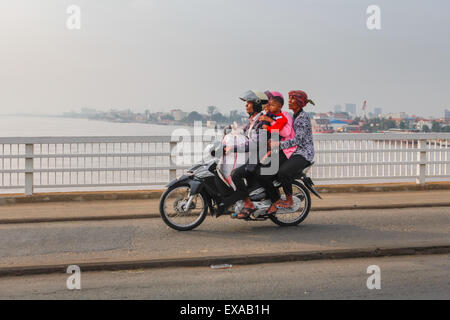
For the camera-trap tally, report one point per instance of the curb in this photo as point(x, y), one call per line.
point(81, 196)
point(156, 194)
point(80, 219)
point(233, 259)
point(355, 188)
point(157, 215)
point(384, 206)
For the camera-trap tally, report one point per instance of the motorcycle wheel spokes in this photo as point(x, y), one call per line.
point(298, 193)
point(175, 204)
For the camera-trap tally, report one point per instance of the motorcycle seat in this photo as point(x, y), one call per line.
point(302, 172)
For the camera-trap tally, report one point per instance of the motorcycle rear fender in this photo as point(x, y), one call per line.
point(309, 184)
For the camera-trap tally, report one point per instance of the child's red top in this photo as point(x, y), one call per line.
point(280, 122)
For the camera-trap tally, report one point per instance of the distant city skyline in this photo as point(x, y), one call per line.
point(445, 115)
point(359, 112)
point(329, 122)
point(161, 54)
point(350, 108)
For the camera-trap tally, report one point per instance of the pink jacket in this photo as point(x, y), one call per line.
point(288, 133)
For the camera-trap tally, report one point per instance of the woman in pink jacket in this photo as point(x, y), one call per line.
point(286, 133)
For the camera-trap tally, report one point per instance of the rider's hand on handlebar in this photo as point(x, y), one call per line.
point(227, 149)
point(265, 118)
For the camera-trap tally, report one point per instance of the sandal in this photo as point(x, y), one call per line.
point(245, 213)
point(271, 213)
point(284, 204)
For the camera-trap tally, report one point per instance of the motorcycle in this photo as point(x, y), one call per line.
point(188, 199)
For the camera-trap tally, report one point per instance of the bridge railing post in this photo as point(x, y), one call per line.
point(172, 163)
point(29, 151)
point(422, 158)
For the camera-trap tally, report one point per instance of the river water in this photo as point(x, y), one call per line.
point(20, 126)
point(27, 126)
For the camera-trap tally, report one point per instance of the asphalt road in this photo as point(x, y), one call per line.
point(412, 277)
point(72, 242)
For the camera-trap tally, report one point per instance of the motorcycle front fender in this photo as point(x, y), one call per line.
point(195, 185)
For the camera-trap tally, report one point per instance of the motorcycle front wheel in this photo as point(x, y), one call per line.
point(300, 192)
point(172, 208)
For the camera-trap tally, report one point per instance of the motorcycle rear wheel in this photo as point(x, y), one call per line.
point(295, 218)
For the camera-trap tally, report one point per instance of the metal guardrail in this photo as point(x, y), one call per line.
point(99, 162)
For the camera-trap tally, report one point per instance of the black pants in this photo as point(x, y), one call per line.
point(238, 175)
point(288, 168)
point(292, 166)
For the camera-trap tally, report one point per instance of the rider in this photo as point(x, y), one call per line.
point(255, 100)
point(304, 153)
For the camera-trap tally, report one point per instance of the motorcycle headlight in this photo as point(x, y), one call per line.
point(194, 168)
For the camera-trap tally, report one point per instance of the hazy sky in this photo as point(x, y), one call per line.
point(162, 54)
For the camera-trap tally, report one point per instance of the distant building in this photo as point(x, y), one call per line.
point(342, 116)
point(321, 126)
point(320, 116)
point(337, 125)
point(377, 111)
point(350, 108)
point(351, 129)
point(371, 115)
point(178, 115)
point(399, 115)
point(337, 108)
point(422, 123)
point(447, 115)
point(140, 117)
